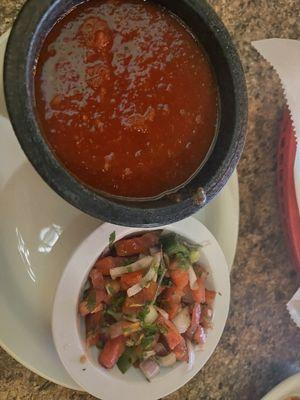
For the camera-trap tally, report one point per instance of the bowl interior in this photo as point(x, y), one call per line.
point(39, 17)
point(68, 330)
point(133, 374)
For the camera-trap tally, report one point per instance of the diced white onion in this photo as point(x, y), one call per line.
point(143, 263)
point(148, 354)
point(133, 290)
point(182, 320)
point(162, 312)
point(131, 318)
point(151, 316)
point(192, 278)
point(168, 360)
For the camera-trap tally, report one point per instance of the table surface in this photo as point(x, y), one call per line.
point(260, 346)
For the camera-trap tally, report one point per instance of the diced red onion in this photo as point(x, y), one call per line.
point(182, 320)
point(160, 349)
point(149, 368)
point(191, 354)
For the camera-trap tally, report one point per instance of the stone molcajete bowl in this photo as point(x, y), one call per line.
point(27, 35)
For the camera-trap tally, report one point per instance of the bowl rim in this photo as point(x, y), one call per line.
point(65, 321)
point(28, 133)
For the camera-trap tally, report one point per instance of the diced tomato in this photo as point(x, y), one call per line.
point(180, 278)
point(172, 309)
point(93, 302)
point(130, 279)
point(195, 321)
point(169, 331)
point(199, 294)
point(137, 245)
point(173, 266)
point(92, 321)
point(200, 335)
point(112, 351)
point(97, 278)
point(149, 292)
point(210, 296)
point(92, 324)
point(105, 264)
point(172, 300)
point(133, 304)
point(173, 295)
point(181, 351)
point(206, 317)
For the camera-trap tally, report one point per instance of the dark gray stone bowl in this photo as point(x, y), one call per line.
point(27, 35)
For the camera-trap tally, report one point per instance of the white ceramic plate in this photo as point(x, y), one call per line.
point(70, 339)
point(289, 387)
point(38, 232)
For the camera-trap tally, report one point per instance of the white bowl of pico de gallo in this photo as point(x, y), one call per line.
point(138, 312)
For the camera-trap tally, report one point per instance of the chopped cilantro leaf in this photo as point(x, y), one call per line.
point(150, 329)
point(126, 360)
point(143, 313)
point(117, 302)
point(167, 282)
point(91, 300)
point(172, 245)
point(112, 238)
point(128, 262)
point(147, 342)
point(114, 314)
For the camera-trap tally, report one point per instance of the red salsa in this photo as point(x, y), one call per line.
point(126, 97)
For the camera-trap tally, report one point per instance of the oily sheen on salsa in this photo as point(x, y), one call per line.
point(126, 97)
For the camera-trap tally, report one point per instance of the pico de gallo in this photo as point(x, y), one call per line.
point(146, 304)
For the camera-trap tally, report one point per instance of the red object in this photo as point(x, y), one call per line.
point(199, 294)
point(112, 351)
point(130, 279)
point(196, 314)
point(180, 278)
point(118, 99)
point(105, 264)
point(171, 333)
point(137, 245)
point(181, 351)
point(286, 187)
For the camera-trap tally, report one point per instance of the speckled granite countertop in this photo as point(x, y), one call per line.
point(260, 345)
